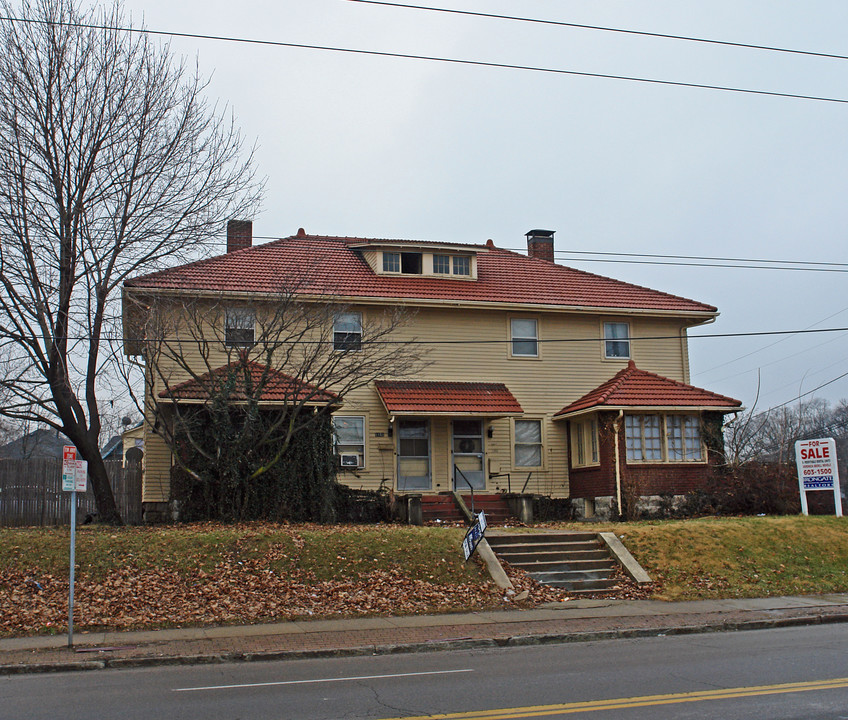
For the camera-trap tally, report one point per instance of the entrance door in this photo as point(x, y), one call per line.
point(467, 466)
point(413, 455)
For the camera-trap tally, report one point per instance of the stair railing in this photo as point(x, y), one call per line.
point(470, 487)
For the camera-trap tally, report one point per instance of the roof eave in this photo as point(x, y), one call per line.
point(648, 408)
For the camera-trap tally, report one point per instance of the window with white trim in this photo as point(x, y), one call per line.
point(461, 265)
point(391, 261)
point(239, 327)
point(524, 337)
point(584, 442)
point(349, 440)
point(441, 264)
point(683, 438)
point(347, 331)
point(643, 438)
point(616, 340)
point(663, 438)
point(528, 443)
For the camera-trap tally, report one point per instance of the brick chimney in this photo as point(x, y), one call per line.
point(540, 244)
point(239, 234)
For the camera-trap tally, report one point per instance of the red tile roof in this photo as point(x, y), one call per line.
point(278, 387)
point(632, 387)
point(330, 266)
point(455, 398)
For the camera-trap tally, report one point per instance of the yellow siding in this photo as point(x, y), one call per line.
point(570, 363)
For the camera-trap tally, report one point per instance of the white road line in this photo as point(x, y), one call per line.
point(320, 680)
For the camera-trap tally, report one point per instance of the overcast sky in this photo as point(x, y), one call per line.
point(400, 148)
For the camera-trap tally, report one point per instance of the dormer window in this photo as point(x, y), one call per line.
point(391, 262)
point(442, 264)
point(410, 263)
point(461, 265)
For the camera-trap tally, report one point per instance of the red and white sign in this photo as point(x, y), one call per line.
point(74, 472)
point(817, 470)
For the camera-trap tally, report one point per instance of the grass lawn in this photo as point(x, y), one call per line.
point(739, 557)
point(210, 574)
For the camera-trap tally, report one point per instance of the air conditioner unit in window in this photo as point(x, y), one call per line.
point(350, 460)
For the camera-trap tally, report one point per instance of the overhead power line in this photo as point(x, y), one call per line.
point(541, 341)
point(448, 60)
point(630, 258)
point(624, 31)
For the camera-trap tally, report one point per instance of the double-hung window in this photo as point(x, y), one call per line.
point(441, 264)
point(683, 438)
point(663, 438)
point(616, 340)
point(643, 437)
point(239, 327)
point(349, 440)
point(584, 442)
point(524, 336)
point(347, 331)
point(461, 265)
point(528, 443)
point(391, 261)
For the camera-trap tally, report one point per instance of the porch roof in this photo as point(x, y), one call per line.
point(415, 397)
point(634, 388)
point(277, 387)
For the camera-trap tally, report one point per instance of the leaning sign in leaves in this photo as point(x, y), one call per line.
point(474, 535)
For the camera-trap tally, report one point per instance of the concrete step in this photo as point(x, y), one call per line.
point(577, 587)
point(576, 561)
point(548, 578)
point(605, 564)
point(542, 538)
point(547, 547)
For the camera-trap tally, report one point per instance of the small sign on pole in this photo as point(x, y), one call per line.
point(74, 480)
point(817, 470)
point(474, 535)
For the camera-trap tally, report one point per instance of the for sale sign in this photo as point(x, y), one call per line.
point(816, 461)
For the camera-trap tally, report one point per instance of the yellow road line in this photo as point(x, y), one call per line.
point(532, 711)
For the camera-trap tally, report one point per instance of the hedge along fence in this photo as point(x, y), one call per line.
point(31, 493)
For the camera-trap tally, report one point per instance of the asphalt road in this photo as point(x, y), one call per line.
point(774, 674)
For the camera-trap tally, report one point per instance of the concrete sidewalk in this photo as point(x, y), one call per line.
point(572, 621)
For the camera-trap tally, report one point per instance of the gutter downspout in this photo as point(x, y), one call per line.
point(616, 426)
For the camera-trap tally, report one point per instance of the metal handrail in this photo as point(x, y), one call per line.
point(470, 487)
point(508, 479)
point(526, 481)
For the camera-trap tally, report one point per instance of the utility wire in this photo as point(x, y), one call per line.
point(718, 262)
point(665, 36)
point(452, 61)
point(541, 341)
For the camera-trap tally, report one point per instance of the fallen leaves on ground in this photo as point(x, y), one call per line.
point(243, 589)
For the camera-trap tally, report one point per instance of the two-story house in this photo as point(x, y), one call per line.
point(539, 378)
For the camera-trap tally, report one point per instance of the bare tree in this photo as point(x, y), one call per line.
point(111, 164)
point(230, 386)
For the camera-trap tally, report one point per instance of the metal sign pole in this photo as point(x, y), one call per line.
point(73, 568)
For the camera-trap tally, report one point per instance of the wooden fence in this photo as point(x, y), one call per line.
point(31, 493)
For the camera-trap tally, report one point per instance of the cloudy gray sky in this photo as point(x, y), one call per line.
point(387, 147)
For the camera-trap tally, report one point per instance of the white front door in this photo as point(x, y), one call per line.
point(467, 445)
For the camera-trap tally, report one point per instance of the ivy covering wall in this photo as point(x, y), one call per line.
point(300, 487)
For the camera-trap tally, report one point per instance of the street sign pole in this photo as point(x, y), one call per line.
point(73, 568)
point(74, 479)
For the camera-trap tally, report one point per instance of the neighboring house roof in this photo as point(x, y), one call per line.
point(44, 442)
point(278, 387)
point(409, 397)
point(114, 448)
point(332, 266)
point(634, 388)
